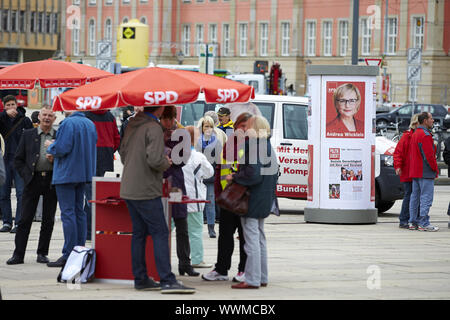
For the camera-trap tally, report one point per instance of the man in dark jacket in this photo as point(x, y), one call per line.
point(108, 141)
point(12, 124)
point(36, 169)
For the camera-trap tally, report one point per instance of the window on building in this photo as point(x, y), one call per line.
point(243, 30)
point(186, 40)
point(212, 33)
point(91, 35)
point(392, 36)
point(48, 23)
point(107, 32)
point(418, 30)
point(125, 1)
point(108, 2)
point(311, 38)
point(92, 2)
point(14, 21)
point(366, 36)
point(76, 2)
point(40, 23)
point(33, 21)
point(285, 38)
point(55, 23)
point(199, 38)
point(327, 37)
point(226, 40)
point(343, 38)
point(75, 40)
point(22, 21)
point(264, 39)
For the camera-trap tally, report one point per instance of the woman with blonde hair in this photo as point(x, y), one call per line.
point(401, 165)
point(208, 143)
point(255, 172)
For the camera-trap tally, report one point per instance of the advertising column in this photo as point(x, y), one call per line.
point(341, 186)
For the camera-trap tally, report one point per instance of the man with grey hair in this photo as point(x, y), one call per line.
point(36, 169)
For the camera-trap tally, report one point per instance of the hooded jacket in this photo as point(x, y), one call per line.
point(422, 155)
point(401, 155)
point(143, 157)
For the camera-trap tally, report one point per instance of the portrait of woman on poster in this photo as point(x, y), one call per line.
point(347, 101)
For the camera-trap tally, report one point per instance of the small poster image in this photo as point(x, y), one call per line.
point(345, 109)
point(334, 191)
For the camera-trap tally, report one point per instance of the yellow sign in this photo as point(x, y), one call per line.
point(129, 32)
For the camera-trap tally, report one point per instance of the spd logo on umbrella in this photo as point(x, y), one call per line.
point(227, 95)
point(84, 103)
point(158, 97)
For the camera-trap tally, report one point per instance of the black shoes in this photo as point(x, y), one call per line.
point(212, 233)
point(61, 262)
point(42, 259)
point(14, 260)
point(5, 228)
point(149, 285)
point(189, 270)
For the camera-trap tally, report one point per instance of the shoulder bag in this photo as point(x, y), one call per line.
point(234, 198)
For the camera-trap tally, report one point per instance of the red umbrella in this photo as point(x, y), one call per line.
point(152, 87)
point(50, 74)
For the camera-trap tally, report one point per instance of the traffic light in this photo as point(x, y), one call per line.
point(260, 67)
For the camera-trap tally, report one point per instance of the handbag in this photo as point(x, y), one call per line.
point(234, 198)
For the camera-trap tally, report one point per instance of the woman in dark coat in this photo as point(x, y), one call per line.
point(258, 170)
point(176, 178)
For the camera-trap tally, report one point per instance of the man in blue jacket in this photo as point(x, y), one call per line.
point(75, 157)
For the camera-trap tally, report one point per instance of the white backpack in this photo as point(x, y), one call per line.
point(80, 266)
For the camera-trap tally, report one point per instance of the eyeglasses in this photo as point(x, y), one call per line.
point(351, 102)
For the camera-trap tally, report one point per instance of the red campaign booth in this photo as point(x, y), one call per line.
point(112, 229)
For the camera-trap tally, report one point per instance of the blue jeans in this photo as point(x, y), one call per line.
point(147, 217)
point(5, 194)
point(73, 218)
point(210, 208)
point(421, 201)
point(404, 212)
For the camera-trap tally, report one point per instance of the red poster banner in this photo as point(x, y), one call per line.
point(345, 109)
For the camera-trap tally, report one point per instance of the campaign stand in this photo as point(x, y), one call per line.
point(112, 229)
point(341, 181)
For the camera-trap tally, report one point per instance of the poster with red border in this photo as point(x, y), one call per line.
point(345, 119)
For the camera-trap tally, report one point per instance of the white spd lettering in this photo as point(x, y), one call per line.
point(226, 95)
point(88, 102)
point(159, 97)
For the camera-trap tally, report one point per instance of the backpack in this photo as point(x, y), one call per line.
point(79, 267)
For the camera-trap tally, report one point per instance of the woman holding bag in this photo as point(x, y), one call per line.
point(258, 170)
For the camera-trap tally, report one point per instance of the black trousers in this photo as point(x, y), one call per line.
point(39, 185)
point(183, 246)
point(228, 224)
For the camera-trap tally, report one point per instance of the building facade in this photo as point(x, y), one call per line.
point(293, 33)
point(29, 29)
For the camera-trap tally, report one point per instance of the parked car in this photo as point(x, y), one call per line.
point(402, 115)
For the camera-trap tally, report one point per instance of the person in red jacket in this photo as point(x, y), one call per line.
point(107, 144)
point(423, 170)
point(401, 165)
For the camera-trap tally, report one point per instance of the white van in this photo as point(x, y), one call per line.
point(257, 81)
point(287, 116)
